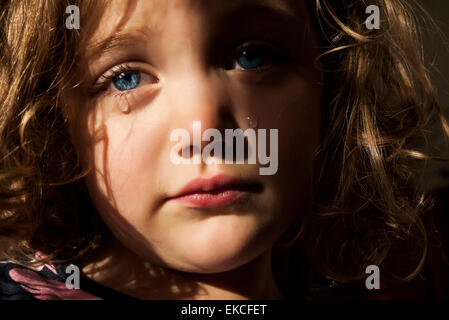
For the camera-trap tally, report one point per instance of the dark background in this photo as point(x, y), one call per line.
point(437, 56)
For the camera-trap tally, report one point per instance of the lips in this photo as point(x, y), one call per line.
point(216, 191)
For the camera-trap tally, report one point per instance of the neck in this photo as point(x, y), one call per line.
point(118, 268)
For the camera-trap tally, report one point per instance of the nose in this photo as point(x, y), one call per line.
point(204, 97)
point(200, 102)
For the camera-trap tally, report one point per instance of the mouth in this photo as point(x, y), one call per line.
point(217, 191)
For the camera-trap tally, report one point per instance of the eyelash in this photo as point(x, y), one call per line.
point(105, 79)
point(275, 52)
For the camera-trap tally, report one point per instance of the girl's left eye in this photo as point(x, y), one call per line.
point(254, 56)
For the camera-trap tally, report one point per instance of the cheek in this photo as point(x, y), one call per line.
point(291, 105)
point(125, 155)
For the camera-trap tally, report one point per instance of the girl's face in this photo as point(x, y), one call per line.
point(155, 66)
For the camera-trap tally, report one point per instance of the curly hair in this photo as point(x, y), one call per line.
point(42, 194)
point(368, 198)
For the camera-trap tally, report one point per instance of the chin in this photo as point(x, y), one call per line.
point(218, 254)
point(212, 263)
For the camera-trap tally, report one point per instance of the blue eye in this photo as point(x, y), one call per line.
point(127, 80)
point(256, 55)
point(251, 58)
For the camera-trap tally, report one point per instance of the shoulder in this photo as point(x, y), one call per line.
point(46, 282)
point(10, 286)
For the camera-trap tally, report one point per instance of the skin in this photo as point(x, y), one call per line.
point(163, 249)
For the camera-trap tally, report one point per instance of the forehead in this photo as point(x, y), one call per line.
point(152, 16)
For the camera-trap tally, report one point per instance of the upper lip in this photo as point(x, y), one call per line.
point(216, 183)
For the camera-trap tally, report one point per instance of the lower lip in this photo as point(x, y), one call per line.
point(213, 199)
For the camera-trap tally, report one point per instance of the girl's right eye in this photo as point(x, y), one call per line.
point(123, 78)
point(127, 80)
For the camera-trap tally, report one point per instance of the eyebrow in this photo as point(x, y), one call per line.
point(244, 19)
point(117, 40)
point(240, 8)
point(253, 18)
point(248, 10)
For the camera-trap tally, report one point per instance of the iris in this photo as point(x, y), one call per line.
point(251, 58)
point(127, 80)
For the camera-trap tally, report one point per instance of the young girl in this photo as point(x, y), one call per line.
point(88, 116)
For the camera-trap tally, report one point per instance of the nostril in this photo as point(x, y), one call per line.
point(186, 152)
point(189, 151)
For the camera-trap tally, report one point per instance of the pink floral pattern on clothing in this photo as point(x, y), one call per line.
point(45, 289)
